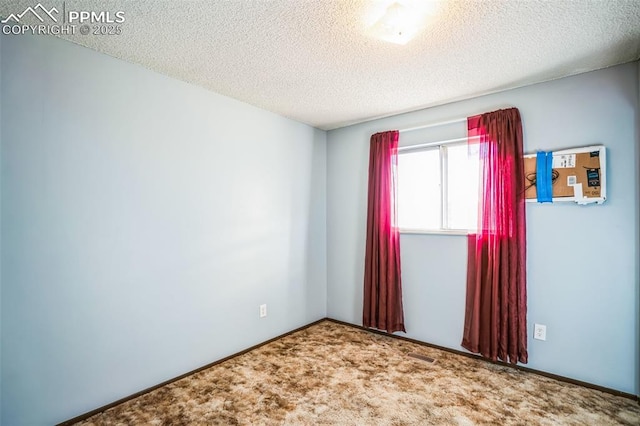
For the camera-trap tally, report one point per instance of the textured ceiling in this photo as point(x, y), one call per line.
point(312, 60)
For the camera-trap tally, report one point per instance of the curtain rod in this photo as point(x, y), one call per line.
point(426, 126)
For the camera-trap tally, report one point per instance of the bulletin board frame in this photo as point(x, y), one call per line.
point(581, 175)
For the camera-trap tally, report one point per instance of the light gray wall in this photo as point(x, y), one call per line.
point(143, 222)
point(582, 261)
point(638, 234)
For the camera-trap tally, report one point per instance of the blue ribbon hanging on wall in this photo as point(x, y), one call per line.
point(544, 167)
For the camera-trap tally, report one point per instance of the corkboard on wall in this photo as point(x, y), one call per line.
point(568, 169)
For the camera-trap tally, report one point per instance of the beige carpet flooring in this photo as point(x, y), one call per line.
point(332, 374)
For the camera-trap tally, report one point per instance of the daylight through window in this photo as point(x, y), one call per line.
point(438, 188)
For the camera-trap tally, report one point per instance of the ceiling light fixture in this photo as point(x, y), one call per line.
point(398, 24)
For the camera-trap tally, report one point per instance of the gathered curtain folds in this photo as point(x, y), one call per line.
point(495, 323)
point(382, 307)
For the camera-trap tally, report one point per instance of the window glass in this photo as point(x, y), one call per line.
point(438, 188)
point(419, 203)
point(462, 186)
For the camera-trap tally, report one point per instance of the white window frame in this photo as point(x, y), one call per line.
point(444, 217)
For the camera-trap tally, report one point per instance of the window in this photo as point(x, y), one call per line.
point(438, 188)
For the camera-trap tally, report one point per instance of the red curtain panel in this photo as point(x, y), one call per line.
point(495, 323)
point(382, 284)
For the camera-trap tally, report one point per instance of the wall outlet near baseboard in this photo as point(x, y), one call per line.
point(540, 332)
point(263, 311)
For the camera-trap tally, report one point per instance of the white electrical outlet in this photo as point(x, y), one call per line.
point(263, 311)
point(540, 332)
